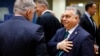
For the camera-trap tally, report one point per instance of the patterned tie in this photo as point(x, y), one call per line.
point(61, 52)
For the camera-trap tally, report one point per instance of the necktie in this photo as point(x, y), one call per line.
point(61, 52)
point(93, 23)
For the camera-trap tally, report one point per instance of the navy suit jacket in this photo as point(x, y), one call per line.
point(86, 24)
point(20, 37)
point(49, 23)
point(82, 44)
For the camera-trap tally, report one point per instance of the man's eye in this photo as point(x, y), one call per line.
point(67, 16)
point(62, 16)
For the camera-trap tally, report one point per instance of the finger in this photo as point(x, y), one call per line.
point(70, 42)
point(69, 45)
point(66, 50)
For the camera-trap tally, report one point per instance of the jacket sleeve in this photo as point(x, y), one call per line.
point(87, 48)
point(41, 49)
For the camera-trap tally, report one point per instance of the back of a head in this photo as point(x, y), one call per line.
point(23, 5)
point(43, 2)
point(89, 4)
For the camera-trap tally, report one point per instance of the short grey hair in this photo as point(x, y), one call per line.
point(77, 12)
point(23, 5)
point(44, 2)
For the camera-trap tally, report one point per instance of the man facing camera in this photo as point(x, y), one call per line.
point(72, 40)
point(19, 36)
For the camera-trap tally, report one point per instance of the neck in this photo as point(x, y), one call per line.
point(89, 13)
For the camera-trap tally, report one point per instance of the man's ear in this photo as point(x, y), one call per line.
point(28, 12)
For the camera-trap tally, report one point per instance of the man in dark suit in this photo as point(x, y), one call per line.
point(46, 19)
point(76, 43)
point(87, 22)
point(19, 36)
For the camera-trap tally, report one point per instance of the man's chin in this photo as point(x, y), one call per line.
point(66, 26)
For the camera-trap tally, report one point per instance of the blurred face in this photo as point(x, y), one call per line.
point(69, 19)
point(39, 9)
point(93, 9)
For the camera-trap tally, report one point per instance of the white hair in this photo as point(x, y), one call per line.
point(23, 5)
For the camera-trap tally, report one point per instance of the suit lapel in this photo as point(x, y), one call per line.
point(87, 20)
point(62, 34)
point(74, 34)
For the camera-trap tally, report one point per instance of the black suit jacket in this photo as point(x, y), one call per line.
point(98, 39)
point(49, 23)
point(19, 37)
point(86, 24)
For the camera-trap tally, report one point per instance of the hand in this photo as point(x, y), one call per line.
point(65, 45)
point(96, 47)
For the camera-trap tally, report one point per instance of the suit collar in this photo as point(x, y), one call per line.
point(19, 17)
point(71, 31)
point(46, 11)
point(75, 33)
point(87, 14)
point(86, 18)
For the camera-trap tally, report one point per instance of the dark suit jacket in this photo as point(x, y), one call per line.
point(98, 39)
point(50, 24)
point(86, 24)
point(82, 44)
point(19, 37)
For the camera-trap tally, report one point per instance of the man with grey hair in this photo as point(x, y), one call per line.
point(72, 40)
point(19, 36)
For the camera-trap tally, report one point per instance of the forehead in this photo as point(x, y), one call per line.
point(69, 12)
point(94, 5)
point(37, 4)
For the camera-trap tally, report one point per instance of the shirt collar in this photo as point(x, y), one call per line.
point(88, 15)
point(71, 30)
